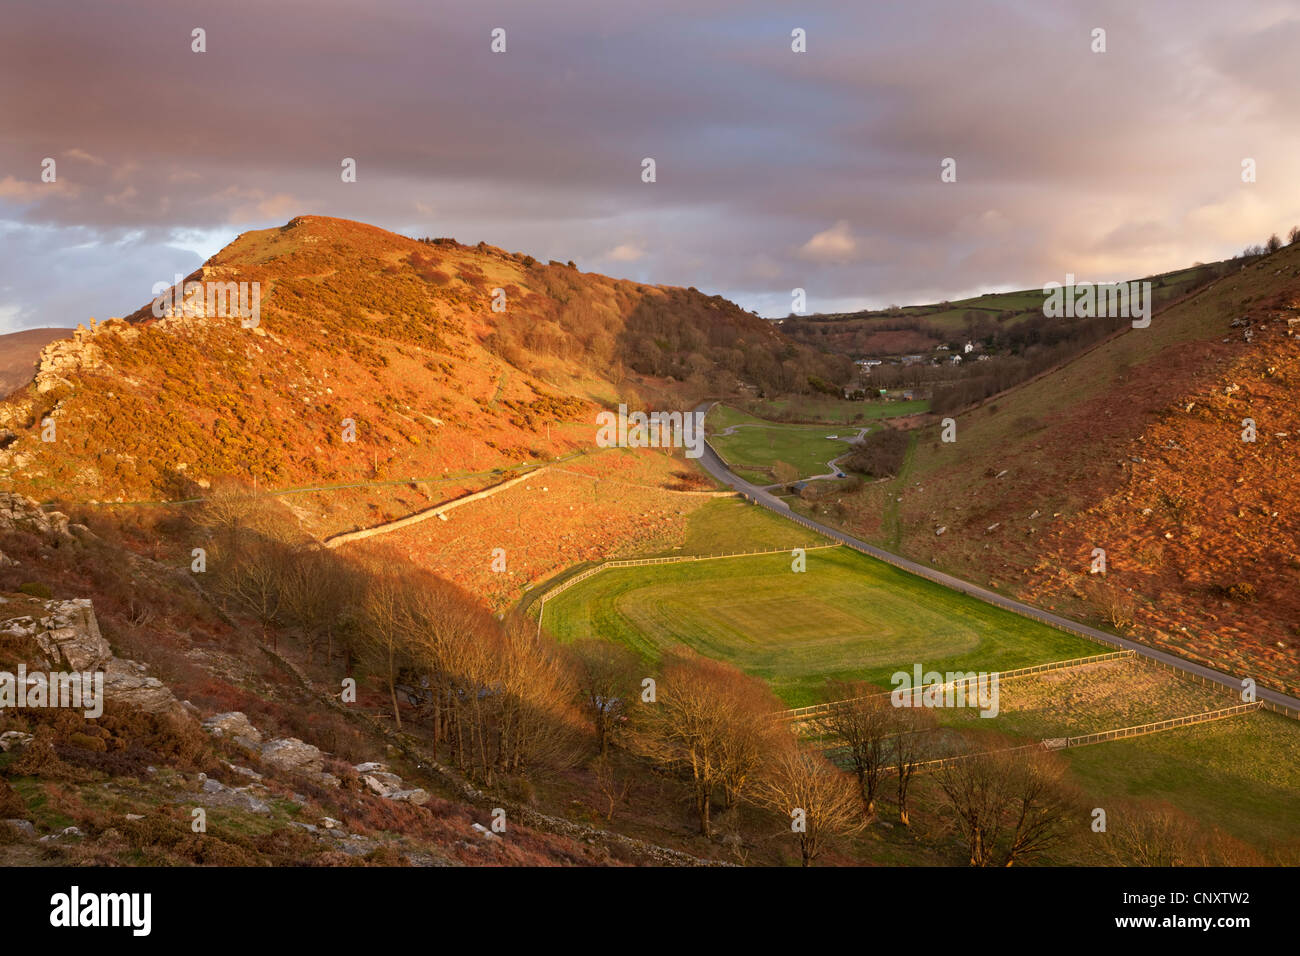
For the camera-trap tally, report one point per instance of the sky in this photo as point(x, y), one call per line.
point(774, 169)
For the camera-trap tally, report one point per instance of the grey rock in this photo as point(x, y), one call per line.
point(64, 834)
point(484, 832)
point(14, 740)
point(293, 756)
point(382, 783)
point(415, 796)
point(235, 725)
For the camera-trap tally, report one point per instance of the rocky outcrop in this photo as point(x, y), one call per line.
point(126, 682)
point(14, 740)
point(378, 779)
point(64, 356)
point(69, 639)
point(69, 636)
point(286, 754)
point(20, 513)
point(291, 755)
point(237, 727)
point(214, 793)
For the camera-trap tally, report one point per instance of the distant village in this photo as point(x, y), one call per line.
point(878, 376)
point(971, 351)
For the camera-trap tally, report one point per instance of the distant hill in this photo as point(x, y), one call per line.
point(1009, 322)
point(391, 341)
point(19, 352)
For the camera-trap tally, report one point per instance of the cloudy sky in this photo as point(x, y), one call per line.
point(774, 169)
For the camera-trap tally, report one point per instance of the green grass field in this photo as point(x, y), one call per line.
point(756, 444)
point(729, 524)
point(848, 616)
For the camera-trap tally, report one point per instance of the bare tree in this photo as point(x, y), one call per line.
point(612, 786)
point(1116, 605)
point(1157, 836)
point(912, 743)
point(785, 473)
point(607, 677)
point(385, 614)
point(1010, 804)
point(536, 722)
point(817, 799)
point(859, 723)
point(704, 723)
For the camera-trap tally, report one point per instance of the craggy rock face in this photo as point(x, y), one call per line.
point(69, 638)
point(20, 513)
point(68, 635)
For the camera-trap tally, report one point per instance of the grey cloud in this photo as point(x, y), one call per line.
point(1124, 162)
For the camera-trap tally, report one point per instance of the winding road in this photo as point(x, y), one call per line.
point(715, 466)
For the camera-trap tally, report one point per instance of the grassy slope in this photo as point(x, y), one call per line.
point(951, 316)
point(757, 444)
point(806, 447)
point(1241, 774)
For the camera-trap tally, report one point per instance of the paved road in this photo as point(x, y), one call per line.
point(715, 466)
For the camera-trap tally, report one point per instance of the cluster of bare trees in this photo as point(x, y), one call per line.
point(496, 697)
point(878, 741)
point(493, 696)
point(1009, 803)
point(717, 729)
point(1271, 245)
point(712, 723)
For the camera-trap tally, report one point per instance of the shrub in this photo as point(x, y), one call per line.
point(1241, 591)
point(880, 454)
point(11, 804)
